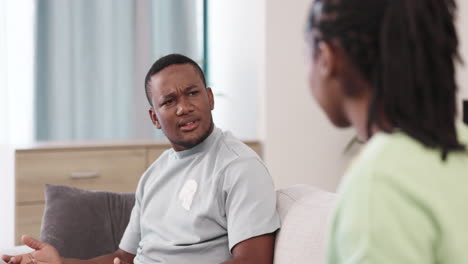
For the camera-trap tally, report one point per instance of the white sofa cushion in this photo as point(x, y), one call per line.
point(18, 250)
point(305, 212)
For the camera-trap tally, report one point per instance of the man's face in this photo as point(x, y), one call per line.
point(181, 105)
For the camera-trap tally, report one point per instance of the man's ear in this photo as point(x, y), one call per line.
point(210, 97)
point(154, 118)
point(326, 59)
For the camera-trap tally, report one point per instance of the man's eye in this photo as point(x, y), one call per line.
point(168, 102)
point(193, 93)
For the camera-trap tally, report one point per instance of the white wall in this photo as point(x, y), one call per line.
point(256, 62)
point(235, 50)
point(16, 71)
point(16, 99)
point(7, 197)
point(301, 146)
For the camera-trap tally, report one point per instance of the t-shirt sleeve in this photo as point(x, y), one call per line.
point(380, 220)
point(250, 201)
point(132, 236)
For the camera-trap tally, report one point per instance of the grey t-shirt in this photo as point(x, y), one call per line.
point(194, 206)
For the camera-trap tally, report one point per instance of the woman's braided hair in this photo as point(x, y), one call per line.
point(406, 50)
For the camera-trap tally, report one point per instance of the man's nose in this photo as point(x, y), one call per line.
point(184, 107)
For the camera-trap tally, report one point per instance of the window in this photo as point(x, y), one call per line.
point(74, 70)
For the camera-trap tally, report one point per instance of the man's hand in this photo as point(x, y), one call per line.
point(119, 261)
point(43, 254)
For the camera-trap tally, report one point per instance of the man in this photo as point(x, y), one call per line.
point(209, 199)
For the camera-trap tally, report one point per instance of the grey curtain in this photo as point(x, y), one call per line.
point(91, 59)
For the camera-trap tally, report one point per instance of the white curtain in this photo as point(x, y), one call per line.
point(91, 60)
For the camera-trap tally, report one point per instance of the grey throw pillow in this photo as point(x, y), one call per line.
point(84, 224)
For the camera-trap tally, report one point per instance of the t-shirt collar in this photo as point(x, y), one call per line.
point(205, 144)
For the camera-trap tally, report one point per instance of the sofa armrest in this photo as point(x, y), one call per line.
point(16, 250)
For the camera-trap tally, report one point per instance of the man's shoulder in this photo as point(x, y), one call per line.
point(234, 158)
point(162, 159)
point(229, 153)
point(233, 148)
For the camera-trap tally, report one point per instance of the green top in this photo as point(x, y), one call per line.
point(400, 203)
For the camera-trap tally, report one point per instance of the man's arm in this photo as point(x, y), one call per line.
point(256, 250)
point(45, 253)
point(250, 205)
point(123, 256)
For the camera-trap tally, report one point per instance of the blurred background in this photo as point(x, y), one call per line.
point(73, 70)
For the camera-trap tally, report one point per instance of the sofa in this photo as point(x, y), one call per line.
point(85, 224)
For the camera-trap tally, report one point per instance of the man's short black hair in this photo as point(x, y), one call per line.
point(165, 62)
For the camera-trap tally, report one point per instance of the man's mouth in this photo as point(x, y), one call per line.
point(189, 126)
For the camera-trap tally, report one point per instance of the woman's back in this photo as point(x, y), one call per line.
point(387, 68)
point(401, 203)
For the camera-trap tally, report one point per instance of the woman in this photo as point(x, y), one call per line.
point(387, 68)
